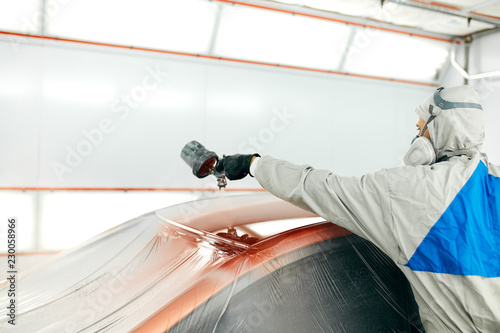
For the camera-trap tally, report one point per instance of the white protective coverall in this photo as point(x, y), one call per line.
point(439, 223)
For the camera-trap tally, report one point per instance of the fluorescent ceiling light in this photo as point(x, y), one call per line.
point(401, 14)
point(20, 16)
point(185, 25)
point(491, 9)
point(278, 38)
point(462, 3)
point(428, 20)
point(453, 25)
point(396, 56)
point(347, 7)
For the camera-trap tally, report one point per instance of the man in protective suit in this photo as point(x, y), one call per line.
point(437, 217)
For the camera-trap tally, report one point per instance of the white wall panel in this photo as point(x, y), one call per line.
point(122, 138)
point(120, 119)
point(20, 113)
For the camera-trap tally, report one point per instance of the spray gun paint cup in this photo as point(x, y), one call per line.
point(202, 161)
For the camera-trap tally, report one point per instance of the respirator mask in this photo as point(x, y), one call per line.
point(421, 151)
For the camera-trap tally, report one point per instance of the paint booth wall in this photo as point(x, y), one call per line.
point(82, 116)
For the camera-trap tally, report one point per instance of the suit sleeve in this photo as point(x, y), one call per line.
point(361, 205)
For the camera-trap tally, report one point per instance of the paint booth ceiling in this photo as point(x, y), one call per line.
point(399, 40)
point(448, 17)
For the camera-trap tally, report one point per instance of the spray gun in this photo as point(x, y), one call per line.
point(203, 162)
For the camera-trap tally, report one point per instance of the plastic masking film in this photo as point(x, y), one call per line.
point(206, 266)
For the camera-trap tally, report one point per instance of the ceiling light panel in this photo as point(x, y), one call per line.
point(453, 25)
point(396, 56)
point(402, 15)
point(428, 20)
point(185, 25)
point(347, 7)
point(280, 38)
point(464, 4)
point(490, 10)
point(21, 16)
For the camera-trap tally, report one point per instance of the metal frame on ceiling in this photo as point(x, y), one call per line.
point(469, 13)
point(275, 5)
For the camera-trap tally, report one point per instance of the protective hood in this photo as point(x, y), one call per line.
point(458, 127)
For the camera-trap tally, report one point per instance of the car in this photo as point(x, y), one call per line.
point(227, 263)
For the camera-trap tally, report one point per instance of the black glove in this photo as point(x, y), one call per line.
point(235, 166)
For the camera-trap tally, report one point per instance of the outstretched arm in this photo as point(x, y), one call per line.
point(361, 205)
